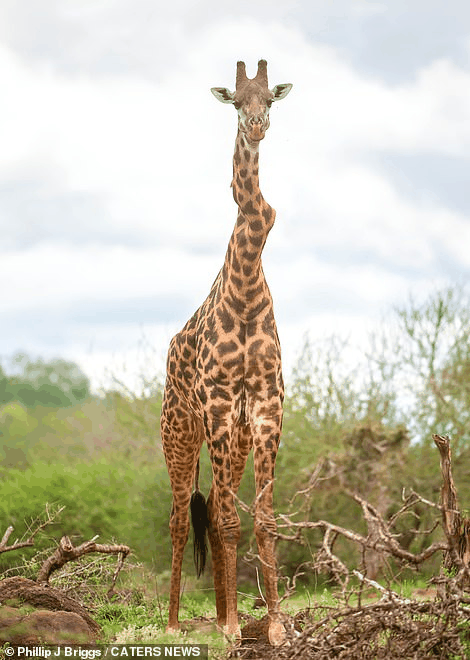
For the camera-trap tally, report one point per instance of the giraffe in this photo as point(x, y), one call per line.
point(224, 385)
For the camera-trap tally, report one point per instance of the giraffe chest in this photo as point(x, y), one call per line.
point(237, 360)
point(220, 361)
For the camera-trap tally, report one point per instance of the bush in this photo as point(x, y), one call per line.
point(111, 500)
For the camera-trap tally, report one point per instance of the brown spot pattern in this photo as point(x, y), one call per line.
point(224, 387)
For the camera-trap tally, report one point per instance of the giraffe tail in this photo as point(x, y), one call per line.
point(199, 521)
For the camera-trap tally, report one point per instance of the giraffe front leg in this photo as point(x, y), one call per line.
point(240, 448)
point(229, 531)
point(265, 527)
point(266, 442)
point(224, 526)
point(224, 534)
point(179, 531)
point(218, 558)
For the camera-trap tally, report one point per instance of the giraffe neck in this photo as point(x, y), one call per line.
point(242, 273)
point(246, 190)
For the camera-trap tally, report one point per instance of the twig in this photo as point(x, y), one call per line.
point(387, 594)
point(312, 483)
point(259, 586)
point(4, 547)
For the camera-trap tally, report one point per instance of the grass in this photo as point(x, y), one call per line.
point(147, 613)
point(124, 623)
point(138, 612)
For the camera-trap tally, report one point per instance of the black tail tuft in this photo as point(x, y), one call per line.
point(200, 523)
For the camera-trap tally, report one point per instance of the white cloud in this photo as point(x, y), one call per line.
point(156, 152)
point(58, 274)
point(158, 157)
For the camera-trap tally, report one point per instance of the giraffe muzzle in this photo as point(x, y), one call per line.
point(256, 127)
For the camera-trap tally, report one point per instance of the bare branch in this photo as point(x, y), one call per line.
point(387, 594)
point(312, 483)
point(386, 543)
point(291, 583)
point(66, 552)
point(29, 542)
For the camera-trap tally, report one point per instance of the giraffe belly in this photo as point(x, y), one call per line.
point(237, 363)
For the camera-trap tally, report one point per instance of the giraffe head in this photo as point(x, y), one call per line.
point(252, 99)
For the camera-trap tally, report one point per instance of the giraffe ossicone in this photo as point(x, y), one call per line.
point(224, 385)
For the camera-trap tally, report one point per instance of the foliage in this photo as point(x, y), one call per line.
point(429, 353)
point(100, 498)
point(56, 383)
point(432, 353)
point(369, 413)
point(373, 417)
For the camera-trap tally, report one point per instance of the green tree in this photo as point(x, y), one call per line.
point(429, 348)
point(56, 383)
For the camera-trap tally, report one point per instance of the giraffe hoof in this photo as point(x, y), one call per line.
point(234, 633)
point(173, 629)
point(276, 634)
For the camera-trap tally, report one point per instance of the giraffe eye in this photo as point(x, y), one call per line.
point(237, 105)
point(269, 103)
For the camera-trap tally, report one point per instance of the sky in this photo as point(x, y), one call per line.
point(115, 167)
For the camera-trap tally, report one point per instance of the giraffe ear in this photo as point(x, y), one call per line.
point(223, 94)
point(281, 91)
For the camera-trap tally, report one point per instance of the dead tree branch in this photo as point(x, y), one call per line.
point(29, 541)
point(381, 538)
point(312, 483)
point(66, 552)
point(385, 543)
point(456, 528)
point(392, 626)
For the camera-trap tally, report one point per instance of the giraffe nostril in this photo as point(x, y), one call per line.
point(255, 126)
point(255, 119)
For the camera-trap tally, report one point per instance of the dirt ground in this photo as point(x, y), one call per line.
point(254, 643)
